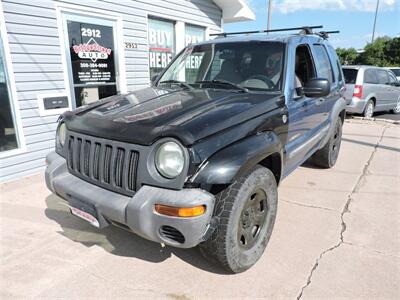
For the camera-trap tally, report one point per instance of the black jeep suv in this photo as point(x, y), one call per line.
point(196, 158)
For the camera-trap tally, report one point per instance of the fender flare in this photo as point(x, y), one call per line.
point(338, 107)
point(231, 162)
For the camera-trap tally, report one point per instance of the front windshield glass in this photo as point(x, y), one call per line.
point(249, 65)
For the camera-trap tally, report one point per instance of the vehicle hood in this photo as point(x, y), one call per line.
point(143, 116)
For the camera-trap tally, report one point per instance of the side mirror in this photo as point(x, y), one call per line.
point(317, 87)
point(154, 78)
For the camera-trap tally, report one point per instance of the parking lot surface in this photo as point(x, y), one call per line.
point(337, 235)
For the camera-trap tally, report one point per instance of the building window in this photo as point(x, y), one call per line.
point(161, 44)
point(193, 34)
point(92, 55)
point(8, 131)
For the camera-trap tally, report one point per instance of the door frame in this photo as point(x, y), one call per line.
point(101, 17)
point(14, 105)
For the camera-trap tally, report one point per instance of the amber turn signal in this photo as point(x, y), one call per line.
point(180, 211)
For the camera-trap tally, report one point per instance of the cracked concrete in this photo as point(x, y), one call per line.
point(344, 211)
point(336, 236)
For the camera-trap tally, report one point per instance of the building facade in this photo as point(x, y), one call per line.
point(59, 55)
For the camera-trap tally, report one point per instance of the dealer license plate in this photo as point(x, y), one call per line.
point(84, 211)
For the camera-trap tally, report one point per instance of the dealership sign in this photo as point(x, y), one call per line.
point(161, 44)
point(91, 50)
point(92, 53)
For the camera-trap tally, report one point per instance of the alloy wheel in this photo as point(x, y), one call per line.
point(370, 110)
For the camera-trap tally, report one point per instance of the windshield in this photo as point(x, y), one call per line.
point(350, 75)
point(244, 66)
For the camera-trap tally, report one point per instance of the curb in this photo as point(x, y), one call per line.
point(374, 120)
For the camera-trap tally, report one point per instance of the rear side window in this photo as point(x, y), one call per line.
point(350, 75)
point(324, 68)
point(383, 77)
point(396, 71)
point(335, 64)
point(370, 76)
point(392, 78)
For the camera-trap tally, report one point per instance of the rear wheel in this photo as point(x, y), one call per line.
point(369, 109)
point(246, 212)
point(327, 156)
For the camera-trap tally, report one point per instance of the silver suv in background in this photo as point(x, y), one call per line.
point(371, 89)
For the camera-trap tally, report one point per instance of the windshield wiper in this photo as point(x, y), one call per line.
point(224, 82)
point(181, 83)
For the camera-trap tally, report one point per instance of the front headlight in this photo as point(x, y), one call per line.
point(61, 134)
point(170, 160)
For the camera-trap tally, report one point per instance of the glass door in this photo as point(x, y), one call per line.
point(92, 60)
point(8, 131)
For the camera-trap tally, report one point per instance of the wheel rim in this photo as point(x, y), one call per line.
point(335, 145)
point(252, 219)
point(397, 108)
point(370, 110)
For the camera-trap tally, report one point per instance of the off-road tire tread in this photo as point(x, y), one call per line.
point(321, 157)
point(214, 249)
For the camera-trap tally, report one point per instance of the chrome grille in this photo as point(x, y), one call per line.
point(104, 163)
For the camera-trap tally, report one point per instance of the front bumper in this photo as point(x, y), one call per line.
point(137, 212)
point(356, 106)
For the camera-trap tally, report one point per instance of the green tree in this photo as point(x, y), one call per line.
point(347, 56)
point(392, 52)
point(383, 52)
point(374, 53)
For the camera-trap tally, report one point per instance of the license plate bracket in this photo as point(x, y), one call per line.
point(85, 211)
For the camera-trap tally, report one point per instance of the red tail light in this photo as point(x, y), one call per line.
point(357, 91)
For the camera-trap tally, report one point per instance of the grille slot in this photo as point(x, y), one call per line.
point(86, 154)
point(119, 166)
point(133, 160)
point(106, 164)
point(172, 233)
point(96, 161)
point(78, 155)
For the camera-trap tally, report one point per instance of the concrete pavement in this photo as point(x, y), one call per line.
point(337, 235)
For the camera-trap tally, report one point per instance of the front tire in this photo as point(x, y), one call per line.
point(245, 212)
point(396, 109)
point(327, 156)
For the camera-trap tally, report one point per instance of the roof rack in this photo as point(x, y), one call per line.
point(304, 30)
point(325, 34)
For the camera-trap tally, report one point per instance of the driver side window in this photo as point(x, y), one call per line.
point(304, 66)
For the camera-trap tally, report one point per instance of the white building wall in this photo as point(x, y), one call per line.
point(36, 54)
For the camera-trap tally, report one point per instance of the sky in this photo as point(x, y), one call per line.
point(354, 18)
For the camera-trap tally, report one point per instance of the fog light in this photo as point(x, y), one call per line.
point(180, 211)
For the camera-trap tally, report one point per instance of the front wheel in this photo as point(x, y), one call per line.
point(396, 109)
point(327, 156)
point(245, 212)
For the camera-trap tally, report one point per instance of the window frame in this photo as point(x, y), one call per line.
point(195, 26)
point(175, 44)
point(312, 59)
point(315, 45)
point(14, 105)
point(72, 12)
